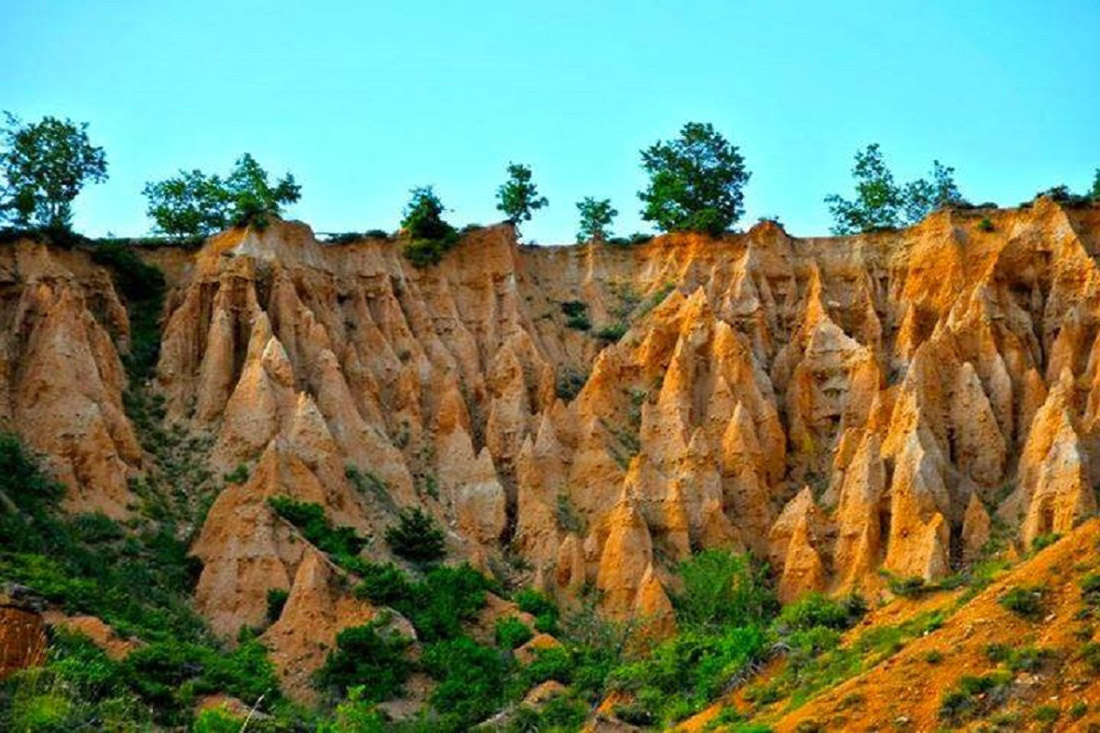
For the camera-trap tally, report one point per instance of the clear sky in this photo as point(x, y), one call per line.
point(362, 100)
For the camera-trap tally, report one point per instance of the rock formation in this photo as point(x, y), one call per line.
point(837, 405)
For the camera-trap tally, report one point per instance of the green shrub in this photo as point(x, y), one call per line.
point(933, 656)
point(238, 475)
point(216, 720)
point(973, 697)
point(168, 674)
point(816, 609)
point(416, 537)
point(1090, 588)
point(1024, 602)
point(1044, 541)
point(576, 315)
point(722, 589)
point(1029, 659)
point(437, 606)
point(356, 714)
point(510, 632)
point(907, 587)
point(545, 612)
point(998, 653)
point(614, 332)
point(1046, 714)
point(385, 585)
point(341, 543)
point(446, 599)
point(1090, 653)
point(569, 384)
point(986, 224)
point(470, 677)
point(684, 673)
point(276, 600)
point(430, 236)
point(550, 663)
point(370, 657)
point(1078, 710)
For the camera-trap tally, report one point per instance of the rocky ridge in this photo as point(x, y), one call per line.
point(844, 407)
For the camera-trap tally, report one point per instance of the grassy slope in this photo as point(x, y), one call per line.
point(904, 689)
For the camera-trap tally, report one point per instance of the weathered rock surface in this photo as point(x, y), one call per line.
point(838, 405)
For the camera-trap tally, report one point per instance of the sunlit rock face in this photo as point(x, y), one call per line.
point(838, 406)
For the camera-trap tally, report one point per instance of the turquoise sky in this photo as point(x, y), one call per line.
point(363, 100)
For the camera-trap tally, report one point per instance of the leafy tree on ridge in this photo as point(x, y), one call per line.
point(596, 218)
point(195, 204)
point(518, 197)
point(695, 182)
point(881, 204)
point(44, 165)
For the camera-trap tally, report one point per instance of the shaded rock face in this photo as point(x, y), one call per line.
point(62, 328)
point(837, 405)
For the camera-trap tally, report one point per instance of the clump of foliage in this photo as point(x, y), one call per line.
point(721, 590)
point(416, 537)
point(341, 543)
point(986, 224)
point(437, 606)
point(518, 197)
point(612, 333)
point(569, 384)
point(818, 610)
point(722, 618)
point(546, 613)
point(197, 204)
point(276, 601)
point(1043, 541)
point(369, 657)
point(1090, 653)
point(576, 315)
point(695, 181)
point(430, 237)
point(510, 632)
point(974, 697)
point(596, 217)
point(1026, 602)
point(881, 204)
point(44, 166)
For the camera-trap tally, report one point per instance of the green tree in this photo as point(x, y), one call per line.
point(254, 198)
point(518, 197)
point(195, 204)
point(1096, 185)
point(882, 204)
point(423, 216)
point(922, 197)
point(723, 589)
point(45, 164)
point(878, 199)
point(596, 218)
point(191, 204)
point(416, 537)
point(695, 181)
point(370, 656)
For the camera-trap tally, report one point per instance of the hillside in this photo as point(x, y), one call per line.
point(859, 411)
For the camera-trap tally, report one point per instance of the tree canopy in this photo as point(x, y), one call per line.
point(44, 165)
point(695, 181)
point(518, 197)
point(194, 203)
point(596, 218)
point(881, 204)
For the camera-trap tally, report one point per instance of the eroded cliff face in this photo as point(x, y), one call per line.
point(840, 406)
